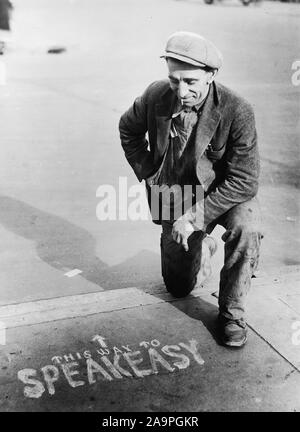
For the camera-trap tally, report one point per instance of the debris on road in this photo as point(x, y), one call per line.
point(56, 50)
point(72, 273)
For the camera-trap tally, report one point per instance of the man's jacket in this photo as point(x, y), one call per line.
point(226, 153)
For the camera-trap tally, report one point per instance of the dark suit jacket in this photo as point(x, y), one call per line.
point(228, 168)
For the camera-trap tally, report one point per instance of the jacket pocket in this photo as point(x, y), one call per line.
point(215, 155)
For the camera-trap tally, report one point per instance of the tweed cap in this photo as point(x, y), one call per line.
point(193, 49)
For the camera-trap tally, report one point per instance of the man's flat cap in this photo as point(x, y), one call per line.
point(193, 49)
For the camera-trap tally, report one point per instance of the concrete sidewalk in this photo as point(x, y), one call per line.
point(139, 349)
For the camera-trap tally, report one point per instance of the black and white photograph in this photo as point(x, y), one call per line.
point(149, 209)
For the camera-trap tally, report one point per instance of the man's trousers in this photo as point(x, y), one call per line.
point(242, 243)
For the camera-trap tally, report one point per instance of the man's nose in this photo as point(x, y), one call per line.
point(182, 90)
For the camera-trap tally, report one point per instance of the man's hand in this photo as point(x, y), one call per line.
point(181, 231)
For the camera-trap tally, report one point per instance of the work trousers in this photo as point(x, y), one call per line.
point(242, 244)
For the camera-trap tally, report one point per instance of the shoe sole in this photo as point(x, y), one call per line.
point(234, 344)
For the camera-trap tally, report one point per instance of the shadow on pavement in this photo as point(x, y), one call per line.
point(200, 310)
point(65, 246)
point(197, 309)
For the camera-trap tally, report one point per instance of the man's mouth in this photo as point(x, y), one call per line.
point(186, 102)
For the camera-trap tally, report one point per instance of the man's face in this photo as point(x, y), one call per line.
point(188, 82)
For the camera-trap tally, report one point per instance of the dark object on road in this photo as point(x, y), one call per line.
point(245, 2)
point(56, 50)
point(5, 11)
point(5, 15)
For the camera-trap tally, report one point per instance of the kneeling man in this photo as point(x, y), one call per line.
point(201, 136)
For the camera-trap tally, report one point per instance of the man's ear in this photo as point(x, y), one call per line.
point(211, 76)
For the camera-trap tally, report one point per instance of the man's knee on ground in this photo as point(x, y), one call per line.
point(179, 285)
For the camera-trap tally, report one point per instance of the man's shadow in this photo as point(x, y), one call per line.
point(201, 310)
point(196, 308)
point(65, 246)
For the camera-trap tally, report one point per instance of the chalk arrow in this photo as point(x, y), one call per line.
point(101, 340)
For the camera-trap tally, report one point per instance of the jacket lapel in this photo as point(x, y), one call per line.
point(208, 122)
point(163, 113)
point(206, 127)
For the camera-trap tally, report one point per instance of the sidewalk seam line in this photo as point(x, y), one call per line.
point(273, 348)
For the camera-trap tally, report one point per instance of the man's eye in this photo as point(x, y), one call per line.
point(191, 82)
point(173, 81)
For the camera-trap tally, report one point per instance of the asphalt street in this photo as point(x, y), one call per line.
point(59, 134)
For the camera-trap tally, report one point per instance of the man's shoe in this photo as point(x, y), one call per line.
point(233, 333)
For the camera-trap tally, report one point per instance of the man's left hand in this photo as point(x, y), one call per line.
point(181, 231)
